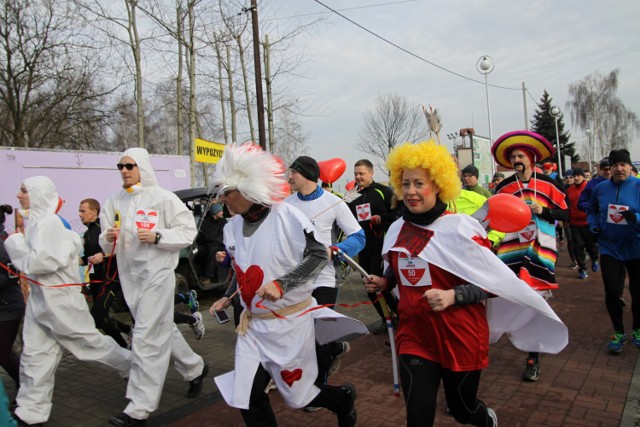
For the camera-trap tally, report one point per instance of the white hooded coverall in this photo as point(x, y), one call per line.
point(55, 317)
point(148, 282)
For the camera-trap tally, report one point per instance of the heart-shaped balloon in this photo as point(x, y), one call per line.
point(508, 213)
point(331, 170)
point(249, 282)
point(350, 185)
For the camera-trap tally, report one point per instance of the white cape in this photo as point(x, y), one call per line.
point(518, 311)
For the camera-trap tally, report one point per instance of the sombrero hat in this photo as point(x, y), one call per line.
point(538, 144)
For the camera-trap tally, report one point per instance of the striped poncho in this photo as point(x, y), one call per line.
point(531, 252)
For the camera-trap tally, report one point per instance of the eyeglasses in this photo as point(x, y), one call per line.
point(129, 166)
point(467, 175)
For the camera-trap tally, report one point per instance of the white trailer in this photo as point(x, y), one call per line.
point(79, 175)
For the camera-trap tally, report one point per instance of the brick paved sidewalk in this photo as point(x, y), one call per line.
point(581, 386)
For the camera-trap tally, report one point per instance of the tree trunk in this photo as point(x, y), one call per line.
point(232, 102)
point(268, 84)
point(247, 93)
point(134, 40)
point(179, 106)
point(221, 88)
point(192, 89)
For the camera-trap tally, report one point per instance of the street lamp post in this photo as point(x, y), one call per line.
point(485, 66)
point(555, 113)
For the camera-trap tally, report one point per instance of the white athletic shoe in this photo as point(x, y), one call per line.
point(198, 327)
point(493, 416)
point(271, 386)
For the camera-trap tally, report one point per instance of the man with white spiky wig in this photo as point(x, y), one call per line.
point(277, 259)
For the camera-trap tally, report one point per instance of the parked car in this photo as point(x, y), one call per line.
point(188, 271)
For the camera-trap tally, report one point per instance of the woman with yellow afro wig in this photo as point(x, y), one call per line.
point(432, 157)
point(443, 334)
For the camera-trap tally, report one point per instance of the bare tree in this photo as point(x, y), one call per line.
point(393, 121)
point(290, 138)
point(101, 13)
point(594, 105)
point(48, 94)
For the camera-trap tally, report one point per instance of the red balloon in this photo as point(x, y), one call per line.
point(331, 170)
point(508, 213)
point(350, 185)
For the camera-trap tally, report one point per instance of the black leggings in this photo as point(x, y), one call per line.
point(103, 296)
point(260, 413)
point(326, 352)
point(420, 379)
point(8, 360)
point(613, 275)
point(583, 241)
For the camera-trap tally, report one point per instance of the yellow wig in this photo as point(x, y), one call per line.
point(430, 156)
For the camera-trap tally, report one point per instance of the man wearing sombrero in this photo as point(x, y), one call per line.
point(531, 252)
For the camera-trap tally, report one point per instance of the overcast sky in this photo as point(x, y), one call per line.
point(546, 44)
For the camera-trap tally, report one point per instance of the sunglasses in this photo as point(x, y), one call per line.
point(129, 166)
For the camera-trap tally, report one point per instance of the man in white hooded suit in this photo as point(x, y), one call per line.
point(56, 316)
point(146, 226)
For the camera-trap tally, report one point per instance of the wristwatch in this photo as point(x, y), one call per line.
point(158, 237)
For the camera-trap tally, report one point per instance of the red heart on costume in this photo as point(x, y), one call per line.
point(527, 235)
point(290, 377)
point(616, 217)
point(146, 220)
point(248, 282)
point(413, 275)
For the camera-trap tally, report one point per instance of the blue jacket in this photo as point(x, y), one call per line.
point(621, 241)
point(583, 201)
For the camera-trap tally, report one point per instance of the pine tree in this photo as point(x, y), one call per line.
point(543, 123)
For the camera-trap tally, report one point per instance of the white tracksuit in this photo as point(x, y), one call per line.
point(55, 317)
point(148, 282)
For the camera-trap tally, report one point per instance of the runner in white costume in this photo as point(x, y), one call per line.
point(277, 259)
point(148, 226)
point(325, 210)
point(56, 317)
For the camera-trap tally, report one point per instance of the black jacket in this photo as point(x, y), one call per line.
point(92, 247)
point(379, 198)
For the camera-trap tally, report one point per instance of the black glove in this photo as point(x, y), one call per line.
point(629, 216)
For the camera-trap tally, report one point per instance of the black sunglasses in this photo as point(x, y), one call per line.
point(129, 166)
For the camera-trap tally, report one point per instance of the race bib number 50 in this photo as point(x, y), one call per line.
point(414, 271)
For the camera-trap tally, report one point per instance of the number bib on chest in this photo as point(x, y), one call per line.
point(613, 214)
point(364, 212)
point(146, 219)
point(414, 271)
point(528, 233)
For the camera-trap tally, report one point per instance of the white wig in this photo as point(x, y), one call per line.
point(259, 176)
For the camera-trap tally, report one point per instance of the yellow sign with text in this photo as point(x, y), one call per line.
point(208, 151)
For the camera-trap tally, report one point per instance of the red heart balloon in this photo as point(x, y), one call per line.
point(350, 185)
point(290, 377)
point(508, 213)
point(331, 170)
point(249, 282)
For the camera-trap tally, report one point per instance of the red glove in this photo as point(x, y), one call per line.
point(376, 220)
